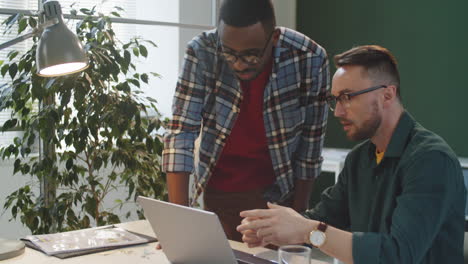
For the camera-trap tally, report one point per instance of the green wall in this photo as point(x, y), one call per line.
point(430, 41)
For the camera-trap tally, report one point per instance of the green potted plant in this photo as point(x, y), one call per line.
point(98, 131)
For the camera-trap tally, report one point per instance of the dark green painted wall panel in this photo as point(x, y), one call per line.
point(429, 39)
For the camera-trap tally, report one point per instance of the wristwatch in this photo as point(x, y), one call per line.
point(317, 236)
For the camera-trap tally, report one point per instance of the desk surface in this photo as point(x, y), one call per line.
point(135, 254)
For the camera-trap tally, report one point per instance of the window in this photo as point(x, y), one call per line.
point(141, 18)
point(7, 137)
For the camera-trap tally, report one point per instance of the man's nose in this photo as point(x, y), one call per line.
point(340, 111)
point(239, 65)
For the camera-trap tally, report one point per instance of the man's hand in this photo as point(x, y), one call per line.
point(278, 225)
point(249, 236)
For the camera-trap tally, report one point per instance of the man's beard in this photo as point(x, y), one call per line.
point(254, 73)
point(368, 128)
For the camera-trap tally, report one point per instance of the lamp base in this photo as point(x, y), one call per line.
point(10, 248)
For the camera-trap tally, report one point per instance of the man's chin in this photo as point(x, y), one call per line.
point(350, 136)
point(356, 136)
point(350, 132)
point(246, 76)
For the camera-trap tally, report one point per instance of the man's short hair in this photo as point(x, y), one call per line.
point(379, 64)
point(244, 13)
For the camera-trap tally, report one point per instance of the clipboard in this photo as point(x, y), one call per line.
point(31, 242)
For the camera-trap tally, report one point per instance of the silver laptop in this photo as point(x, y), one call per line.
point(192, 236)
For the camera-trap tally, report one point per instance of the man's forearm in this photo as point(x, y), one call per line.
point(339, 244)
point(177, 186)
point(303, 189)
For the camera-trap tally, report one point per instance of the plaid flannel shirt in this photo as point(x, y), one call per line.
point(208, 98)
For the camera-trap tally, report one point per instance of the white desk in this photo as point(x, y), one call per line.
point(137, 254)
point(464, 162)
point(333, 160)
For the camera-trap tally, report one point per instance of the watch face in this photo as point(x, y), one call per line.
point(317, 238)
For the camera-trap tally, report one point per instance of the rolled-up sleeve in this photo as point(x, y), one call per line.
point(308, 162)
point(184, 127)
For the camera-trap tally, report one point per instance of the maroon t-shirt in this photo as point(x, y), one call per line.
point(245, 162)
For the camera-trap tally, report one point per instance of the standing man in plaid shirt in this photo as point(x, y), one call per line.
point(257, 94)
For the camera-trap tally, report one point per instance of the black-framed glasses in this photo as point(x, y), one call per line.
point(250, 58)
point(345, 98)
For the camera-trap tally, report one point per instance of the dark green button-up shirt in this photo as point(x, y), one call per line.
point(407, 209)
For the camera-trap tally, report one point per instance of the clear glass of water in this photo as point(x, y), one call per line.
point(294, 254)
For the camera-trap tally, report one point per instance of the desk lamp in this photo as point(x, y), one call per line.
point(58, 53)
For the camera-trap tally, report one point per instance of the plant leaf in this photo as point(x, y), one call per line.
point(32, 22)
point(11, 19)
point(23, 23)
point(5, 69)
point(144, 77)
point(13, 70)
point(12, 54)
point(136, 51)
point(151, 42)
point(134, 82)
point(143, 51)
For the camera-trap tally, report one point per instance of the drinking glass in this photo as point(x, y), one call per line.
point(294, 254)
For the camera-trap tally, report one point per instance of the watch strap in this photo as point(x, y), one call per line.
point(322, 227)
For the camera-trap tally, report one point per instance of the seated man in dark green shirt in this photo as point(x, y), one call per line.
point(400, 197)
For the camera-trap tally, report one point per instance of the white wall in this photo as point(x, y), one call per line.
point(164, 59)
point(285, 11)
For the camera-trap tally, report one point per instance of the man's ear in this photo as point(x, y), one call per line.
point(390, 94)
point(276, 35)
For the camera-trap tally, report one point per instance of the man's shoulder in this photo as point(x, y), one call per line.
point(423, 143)
point(292, 39)
point(206, 41)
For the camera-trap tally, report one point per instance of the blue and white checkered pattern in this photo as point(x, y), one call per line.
point(208, 97)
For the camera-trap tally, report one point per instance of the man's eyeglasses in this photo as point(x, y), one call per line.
point(250, 58)
point(345, 98)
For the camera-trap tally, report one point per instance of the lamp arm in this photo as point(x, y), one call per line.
point(37, 31)
point(16, 40)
